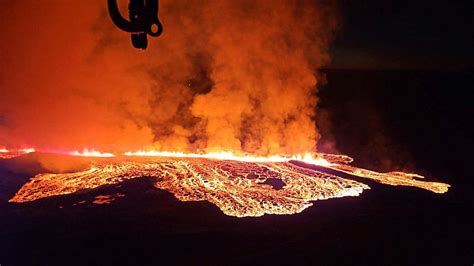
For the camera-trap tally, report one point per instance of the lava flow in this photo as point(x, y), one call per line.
point(239, 186)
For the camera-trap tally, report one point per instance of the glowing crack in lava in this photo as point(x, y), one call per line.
point(238, 187)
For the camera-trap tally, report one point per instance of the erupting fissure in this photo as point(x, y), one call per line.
point(228, 75)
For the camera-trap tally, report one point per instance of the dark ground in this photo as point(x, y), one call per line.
point(418, 121)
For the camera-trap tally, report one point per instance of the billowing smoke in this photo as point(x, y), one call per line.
point(225, 75)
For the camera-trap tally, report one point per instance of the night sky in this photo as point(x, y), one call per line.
point(376, 34)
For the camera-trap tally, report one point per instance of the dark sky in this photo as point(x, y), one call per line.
point(385, 34)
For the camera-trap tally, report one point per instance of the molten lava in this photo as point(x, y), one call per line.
point(239, 186)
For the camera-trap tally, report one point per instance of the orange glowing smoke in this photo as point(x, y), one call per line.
point(238, 186)
point(225, 75)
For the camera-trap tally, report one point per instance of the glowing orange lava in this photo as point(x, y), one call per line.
point(239, 186)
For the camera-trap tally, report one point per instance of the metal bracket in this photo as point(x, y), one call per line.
point(143, 20)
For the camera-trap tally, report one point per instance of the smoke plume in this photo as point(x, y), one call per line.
point(225, 75)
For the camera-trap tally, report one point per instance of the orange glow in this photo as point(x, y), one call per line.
point(76, 91)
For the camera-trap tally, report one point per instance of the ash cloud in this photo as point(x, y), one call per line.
point(225, 75)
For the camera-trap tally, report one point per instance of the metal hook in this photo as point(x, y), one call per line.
point(143, 20)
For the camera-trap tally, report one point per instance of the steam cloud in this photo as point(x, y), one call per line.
point(225, 75)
